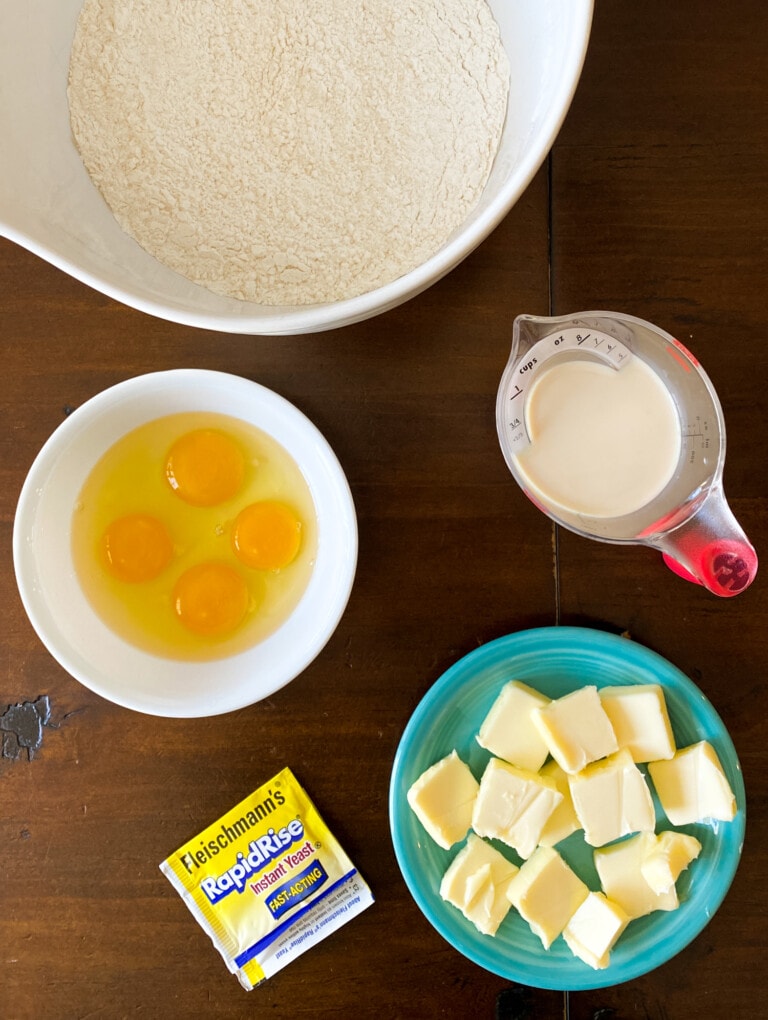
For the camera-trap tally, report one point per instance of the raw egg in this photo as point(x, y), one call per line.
point(194, 536)
point(205, 467)
point(137, 547)
point(211, 599)
point(266, 535)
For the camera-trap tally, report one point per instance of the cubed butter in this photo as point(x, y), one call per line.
point(443, 798)
point(547, 893)
point(576, 729)
point(594, 929)
point(611, 799)
point(692, 786)
point(619, 867)
point(672, 854)
point(513, 805)
point(508, 731)
point(640, 720)
point(563, 821)
point(476, 882)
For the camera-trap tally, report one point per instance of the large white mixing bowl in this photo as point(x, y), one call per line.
point(49, 205)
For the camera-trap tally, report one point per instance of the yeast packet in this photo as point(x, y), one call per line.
point(268, 880)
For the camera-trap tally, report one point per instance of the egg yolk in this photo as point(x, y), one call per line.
point(211, 599)
point(266, 535)
point(136, 547)
point(205, 467)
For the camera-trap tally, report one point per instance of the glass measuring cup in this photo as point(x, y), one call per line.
point(688, 520)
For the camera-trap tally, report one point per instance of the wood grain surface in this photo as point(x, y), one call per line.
point(654, 201)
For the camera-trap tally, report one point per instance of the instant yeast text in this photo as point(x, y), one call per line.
point(267, 880)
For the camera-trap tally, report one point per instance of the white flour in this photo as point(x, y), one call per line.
point(288, 151)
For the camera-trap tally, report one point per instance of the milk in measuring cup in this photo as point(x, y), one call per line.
point(615, 431)
point(603, 443)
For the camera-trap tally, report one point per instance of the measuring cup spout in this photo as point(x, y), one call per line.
point(710, 548)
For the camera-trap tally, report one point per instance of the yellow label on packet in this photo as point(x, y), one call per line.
point(267, 880)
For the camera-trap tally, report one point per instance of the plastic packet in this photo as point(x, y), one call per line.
point(267, 880)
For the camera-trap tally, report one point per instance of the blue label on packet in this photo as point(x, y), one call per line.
point(297, 889)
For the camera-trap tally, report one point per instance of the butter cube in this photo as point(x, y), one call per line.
point(621, 877)
point(611, 799)
point(508, 731)
point(547, 893)
point(692, 786)
point(476, 883)
point(563, 821)
point(672, 854)
point(594, 929)
point(443, 798)
point(513, 805)
point(576, 729)
point(640, 720)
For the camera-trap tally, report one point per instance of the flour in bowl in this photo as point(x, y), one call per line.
point(288, 151)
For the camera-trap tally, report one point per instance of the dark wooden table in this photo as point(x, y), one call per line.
point(654, 201)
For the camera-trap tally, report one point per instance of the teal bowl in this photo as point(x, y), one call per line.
point(557, 660)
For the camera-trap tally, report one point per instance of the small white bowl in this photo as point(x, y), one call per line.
point(49, 205)
point(65, 621)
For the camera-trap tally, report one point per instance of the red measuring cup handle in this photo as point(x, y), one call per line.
point(726, 567)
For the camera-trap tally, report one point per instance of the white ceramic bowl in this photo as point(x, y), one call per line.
point(65, 621)
point(49, 205)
